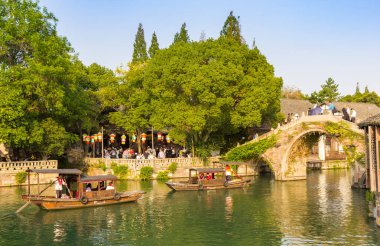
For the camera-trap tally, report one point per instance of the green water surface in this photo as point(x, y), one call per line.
point(322, 210)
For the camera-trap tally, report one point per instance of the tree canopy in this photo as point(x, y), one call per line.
point(45, 91)
point(365, 97)
point(329, 92)
point(200, 92)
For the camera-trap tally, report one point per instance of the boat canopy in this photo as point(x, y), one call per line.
point(208, 170)
point(90, 179)
point(233, 163)
point(57, 171)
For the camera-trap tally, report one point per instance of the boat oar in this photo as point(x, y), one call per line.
point(45, 188)
point(68, 188)
point(22, 208)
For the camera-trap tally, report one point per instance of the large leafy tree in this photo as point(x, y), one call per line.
point(153, 45)
point(231, 28)
point(139, 47)
point(132, 101)
point(182, 35)
point(203, 91)
point(43, 86)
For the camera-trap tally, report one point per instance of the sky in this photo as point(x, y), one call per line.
point(307, 41)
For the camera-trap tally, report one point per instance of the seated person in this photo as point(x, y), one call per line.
point(208, 177)
point(102, 186)
point(88, 188)
point(110, 186)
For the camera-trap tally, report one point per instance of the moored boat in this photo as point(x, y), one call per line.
point(80, 192)
point(208, 179)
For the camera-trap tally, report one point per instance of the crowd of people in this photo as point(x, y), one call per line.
point(150, 153)
point(347, 113)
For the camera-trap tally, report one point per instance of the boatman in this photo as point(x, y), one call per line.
point(59, 186)
point(228, 173)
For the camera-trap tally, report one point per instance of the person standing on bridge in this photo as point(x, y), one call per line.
point(353, 115)
point(346, 115)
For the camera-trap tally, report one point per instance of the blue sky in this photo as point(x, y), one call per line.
point(306, 41)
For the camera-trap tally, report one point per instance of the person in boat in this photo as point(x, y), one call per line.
point(59, 182)
point(102, 186)
point(88, 188)
point(228, 173)
point(110, 186)
point(209, 176)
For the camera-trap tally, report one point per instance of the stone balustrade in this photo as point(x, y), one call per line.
point(19, 166)
point(158, 164)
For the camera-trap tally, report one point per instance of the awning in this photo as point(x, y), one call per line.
point(57, 171)
point(90, 179)
point(208, 170)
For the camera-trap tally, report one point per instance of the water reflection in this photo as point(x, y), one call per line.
point(229, 205)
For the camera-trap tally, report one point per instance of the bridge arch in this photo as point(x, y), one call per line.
point(279, 156)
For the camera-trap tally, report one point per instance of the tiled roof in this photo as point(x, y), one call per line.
point(371, 121)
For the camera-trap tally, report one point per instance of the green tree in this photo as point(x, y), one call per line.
point(329, 92)
point(366, 97)
point(43, 86)
point(153, 45)
point(182, 35)
point(231, 28)
point(139, 51)
point(203, 91)
point(132, 102)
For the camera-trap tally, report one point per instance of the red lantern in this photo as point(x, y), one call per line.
point(168, 139)
point(84, 137)
point(133, 138)
point(159, 136)
point(88, 139)
point(112, 138)
point(143, 137)
point(123, 138)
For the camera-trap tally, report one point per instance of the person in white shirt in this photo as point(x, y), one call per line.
point(353, 115)
point(110, 186)
point(59, 186)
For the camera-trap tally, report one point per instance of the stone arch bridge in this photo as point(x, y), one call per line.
point(281, 156)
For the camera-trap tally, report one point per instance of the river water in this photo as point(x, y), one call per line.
point(322, 210)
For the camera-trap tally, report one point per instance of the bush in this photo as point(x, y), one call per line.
point(119, 171)
point(250, 150)
point(101, 165)
point(146, 173)
point(21, 177)
point(163, 176)
point(173, 167)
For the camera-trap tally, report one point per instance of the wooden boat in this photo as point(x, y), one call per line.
point(207, 179)
point(77, 196)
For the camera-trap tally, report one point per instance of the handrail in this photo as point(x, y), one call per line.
point(19, 166)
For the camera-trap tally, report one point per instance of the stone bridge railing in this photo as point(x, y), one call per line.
point(309, 119)
point(19, 166)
